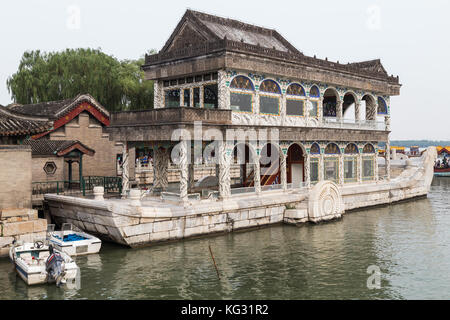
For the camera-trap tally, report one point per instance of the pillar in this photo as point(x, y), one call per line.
point(191, 173)
point(184, 170)
point(341, 169)
point(306, 110)
point(202, 97)
point(307, 170)
point(157, 95)
point(160, 166)
point(375, 168)
point(339, 115)
point(125, 179)
point(321, 167)
point(283, 171)
point(222, 90)
point(387, 155)
point(357, 111)
point(320, 110)
point(182, 97)
point(360, 168)
point(191, 97)
point(224, 171)
point(257, 175)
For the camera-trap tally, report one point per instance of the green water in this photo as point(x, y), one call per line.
point(409, 242)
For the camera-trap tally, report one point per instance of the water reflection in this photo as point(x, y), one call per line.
point(407, 241)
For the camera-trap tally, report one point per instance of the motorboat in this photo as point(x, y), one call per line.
point(38, 263)
point(73, 242)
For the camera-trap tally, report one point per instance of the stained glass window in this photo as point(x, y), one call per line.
point(350, 164)
point(314, 170)
point(314, 92)
point(295, 107)
point(351, 148)
point(210, 100)
point(241, 102)
point(269, 105)
point(314, 149)
point(269, 86)
point(295, 90)
point(382, 107)
point(332, 148)
point(331, 169)
point(241, 82)
point(368, 148)
point(172, 98)
point(368, 168)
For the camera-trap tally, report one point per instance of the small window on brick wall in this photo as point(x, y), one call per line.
point(50, 168)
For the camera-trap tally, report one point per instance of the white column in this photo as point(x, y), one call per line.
point(223, 92)
point(125, 179)
point(191, 97)
point(283, 170)
point(388, 159)
point(182, 97)
point(339, 115)
point(307, 170)
point(321, 167)
point(157, 95)
point(306, 111)
point(341, 169)
point(184, 170)
point(357, 111)
point(257, 175)
point(360, 168)
point(224, 171)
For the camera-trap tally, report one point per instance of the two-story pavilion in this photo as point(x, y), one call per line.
point(329, 117)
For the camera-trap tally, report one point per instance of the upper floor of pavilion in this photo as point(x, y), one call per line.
point(219, 63)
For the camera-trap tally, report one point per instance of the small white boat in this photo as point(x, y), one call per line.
point(74, 243)
point(38, 263)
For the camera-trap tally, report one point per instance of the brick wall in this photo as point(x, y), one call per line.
point(38, 173)
point(15, 177)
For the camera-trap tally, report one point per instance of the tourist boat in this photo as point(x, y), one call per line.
point(38, 263)
point(442, 165)
point(74, 243)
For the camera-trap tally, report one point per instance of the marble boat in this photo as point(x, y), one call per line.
point(38, 263)
point(74, 243)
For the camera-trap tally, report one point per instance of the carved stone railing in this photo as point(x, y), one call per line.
point(242, 47)
point(333, 122)
point(171, 115)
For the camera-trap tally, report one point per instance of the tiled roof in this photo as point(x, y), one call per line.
point(46, 147)
point(56, 109)
point(13, 123)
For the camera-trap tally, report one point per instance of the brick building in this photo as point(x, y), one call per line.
point(81, 119)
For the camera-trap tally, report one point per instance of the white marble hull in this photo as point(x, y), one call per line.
point(125, 223)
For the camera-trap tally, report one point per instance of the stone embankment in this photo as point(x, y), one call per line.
point(20, 225)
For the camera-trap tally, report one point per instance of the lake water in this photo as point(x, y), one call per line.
point(409, 243)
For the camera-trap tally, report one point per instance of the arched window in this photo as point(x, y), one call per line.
point(350, 163)
point(332, 148)
point(242, 98)
point(295, 89)
point(269, 86)
point(314, 149)
point(295, 105)
point(331, 164)
point(314, 92)
point(351, 148)
point(269, 104)
point(241, 82)
point(382, 107)
point(330, 100)
point(368, 148)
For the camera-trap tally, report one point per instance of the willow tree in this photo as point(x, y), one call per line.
point(117, 85)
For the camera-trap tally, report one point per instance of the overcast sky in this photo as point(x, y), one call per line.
point(410, 37)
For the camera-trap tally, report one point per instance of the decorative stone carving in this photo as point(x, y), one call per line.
point(325, 202)
point(125, 177)
point(224, 171)
point(184, 171)
point(98, 193)
point(223, 95)
point(257, 175)
point(283, 171)
point(160, 166)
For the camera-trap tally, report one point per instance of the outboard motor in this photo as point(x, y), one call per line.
point(55, 266)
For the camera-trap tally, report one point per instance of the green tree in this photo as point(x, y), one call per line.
point(117, 85)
